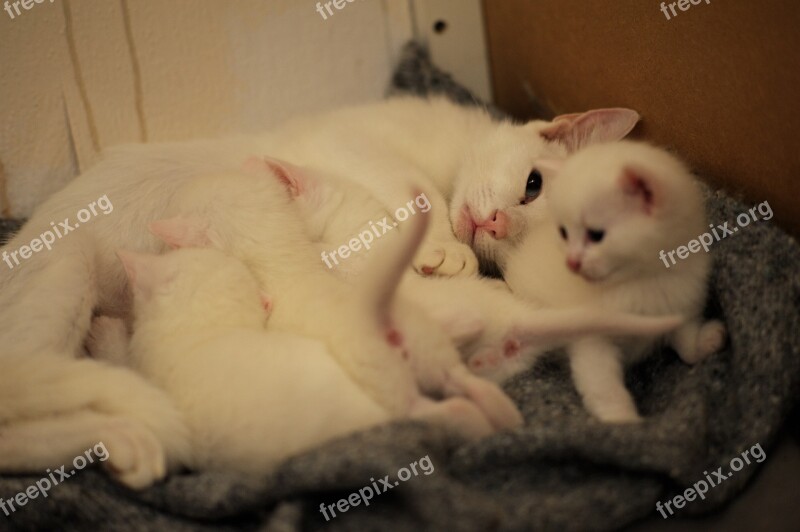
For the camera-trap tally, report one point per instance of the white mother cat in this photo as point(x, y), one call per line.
point(46, 304)
point(482, 175)
point(615, 207)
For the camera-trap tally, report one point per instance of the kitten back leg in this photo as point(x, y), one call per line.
point(599, 377)
point(695, 341)
point(496, 405)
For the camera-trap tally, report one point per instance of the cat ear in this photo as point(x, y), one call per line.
point(641, 187)
point(293, 177)
point(146, 272)
point(577, 130)
point(180, 232)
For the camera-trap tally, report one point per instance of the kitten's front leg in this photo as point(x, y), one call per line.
point(695, 340)
point(599, 377)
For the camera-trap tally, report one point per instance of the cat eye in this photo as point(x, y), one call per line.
point(533, 187)
point(563, 232)
point(595, 235)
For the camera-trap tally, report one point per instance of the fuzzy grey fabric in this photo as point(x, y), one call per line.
point(562, 471)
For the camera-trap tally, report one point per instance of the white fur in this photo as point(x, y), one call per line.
point(46, 303)
point(623, 271)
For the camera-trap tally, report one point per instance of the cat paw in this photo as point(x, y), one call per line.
point(711, 338)
point(107, 336)
point(498, 408)
point(445, 259)
point(618, 414)
point(136, 458)
point(457, 414)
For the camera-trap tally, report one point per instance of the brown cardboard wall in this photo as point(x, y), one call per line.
point(719, 82)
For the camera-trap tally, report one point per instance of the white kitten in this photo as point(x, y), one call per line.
point(250, 398)
point(616, 206)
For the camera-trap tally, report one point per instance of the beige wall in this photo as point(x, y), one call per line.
point(79, 76)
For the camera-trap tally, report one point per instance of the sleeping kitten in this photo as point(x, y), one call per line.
point(481, 316)
point(614, 207)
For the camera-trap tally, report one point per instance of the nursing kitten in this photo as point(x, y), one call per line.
point(481, 316)
point(251, 398)
point(614, 207)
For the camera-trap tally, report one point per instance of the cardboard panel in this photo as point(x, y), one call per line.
point(718, 82)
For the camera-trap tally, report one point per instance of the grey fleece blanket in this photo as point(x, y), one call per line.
point(561, 471)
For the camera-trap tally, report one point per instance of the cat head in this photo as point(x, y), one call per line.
point(616, 205)
point(502, 185)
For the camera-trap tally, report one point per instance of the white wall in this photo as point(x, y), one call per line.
point(77, 76)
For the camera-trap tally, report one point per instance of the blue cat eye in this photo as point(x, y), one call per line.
point(595, 235)
point(533, 187)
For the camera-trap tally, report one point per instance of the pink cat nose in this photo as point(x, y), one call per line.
point(574, 264)
point(496, 225)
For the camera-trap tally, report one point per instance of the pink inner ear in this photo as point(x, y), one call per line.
point(577, 130)
point(634, 184)
point(293, 177)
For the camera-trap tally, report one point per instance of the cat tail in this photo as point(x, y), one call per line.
point(384, 272)
point(46, 385)
point(548, 329)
